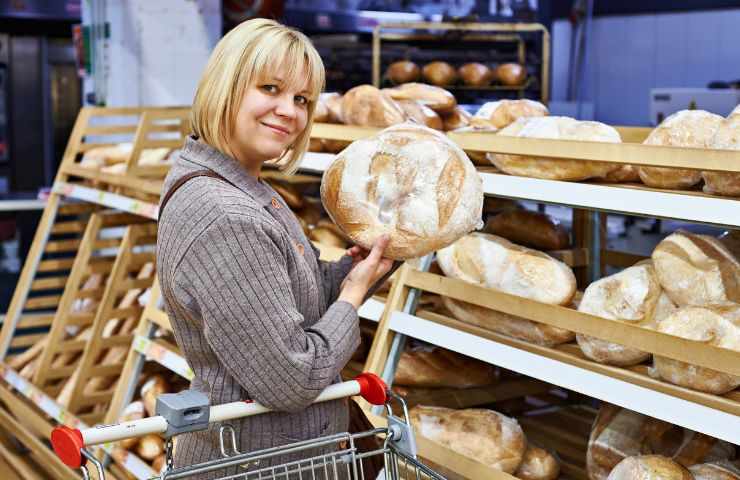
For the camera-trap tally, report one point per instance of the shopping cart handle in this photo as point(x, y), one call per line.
point(68, 443)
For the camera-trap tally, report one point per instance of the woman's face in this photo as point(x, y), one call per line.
point(270, 118)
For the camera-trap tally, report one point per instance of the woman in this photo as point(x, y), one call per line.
point(255, 312)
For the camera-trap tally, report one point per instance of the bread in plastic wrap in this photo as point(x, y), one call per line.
point(686, 128)
point(407, 181)
point(716, 326)
point(482, 435)
point(727, 137)
point(556, 128)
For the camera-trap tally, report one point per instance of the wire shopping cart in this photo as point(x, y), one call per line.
point(331, 457)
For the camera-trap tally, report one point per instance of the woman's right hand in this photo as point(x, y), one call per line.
point(365, 273)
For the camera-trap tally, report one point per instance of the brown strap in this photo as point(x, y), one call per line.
point(181, 181)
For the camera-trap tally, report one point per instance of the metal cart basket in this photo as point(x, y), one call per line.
point(326, 458)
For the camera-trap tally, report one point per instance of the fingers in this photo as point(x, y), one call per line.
point(378, 248)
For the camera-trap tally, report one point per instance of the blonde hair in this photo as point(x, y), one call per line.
point(252, 52)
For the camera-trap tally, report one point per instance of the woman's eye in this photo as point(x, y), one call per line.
point(270, 88)
point(301, 100)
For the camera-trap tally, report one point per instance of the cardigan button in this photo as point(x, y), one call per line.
point(275, 203)
point(300, 248)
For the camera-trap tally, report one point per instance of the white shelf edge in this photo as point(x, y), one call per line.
point(607, 197)
point(371, 310)
point(112, 200)
point(163, 356)
point(694, 416)
point(714, 210)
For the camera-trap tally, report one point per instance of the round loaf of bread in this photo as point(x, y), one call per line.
point(649, 467)
point(632, 295)
point(367, 106)
point(687, 128)
point(458, 118)
point(719, 327)
point(407, 181)
point(556, 128)
point(440, 74)
point(511, 74)
point(530, 229)
point(434, 367)
point(721, 470)
point(333, 102)
point(403, 71)
point(502, 113)
point(321, 113)
point(624, 174)
point(436, 98)
point(475, 74)
point(727, 137)
point(505, 324)
point(421, 114)
point(496, 263)
point(483, 435)
point(697, 270)
point(538, 464)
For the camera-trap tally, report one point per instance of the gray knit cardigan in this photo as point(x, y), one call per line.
point(252, 307)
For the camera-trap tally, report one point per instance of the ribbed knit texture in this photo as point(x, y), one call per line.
point(254, 313)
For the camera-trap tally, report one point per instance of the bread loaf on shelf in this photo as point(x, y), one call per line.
point(457, 118)
point(367, 106)
point(624, 174)
point(722, 470)
point(403, 71)
point(440, 74)
point(502, 113)
point(538, 464)
point(421, 114)
point(150, 447)
point(152, 388)
point(509, 325)
point(697, 270)
point(633, 295)
point(408, 181)
point(434, 367)
point(133, 411)
point(511, 74)
point(530, 229)
point(333, 102)
point(476, 74)
point(436, 98)
point(496, 263)
point(716, 326)
point(649, 467)
point(321, 113)
point(483, 435)
point(556, 128)
point(687, 128)
point(727, 137)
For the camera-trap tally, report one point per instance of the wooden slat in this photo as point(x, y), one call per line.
point(27, 340)
point(575, 257)
point(133, 311)
point(49, 283)
point(160, 318)
point(56, 246)
point(46, 301)
point(31, 321)
point(109, 129)
point(80, 319)
point(55, 265)
point(72, 226)
point(620, 259)
point(134, 283)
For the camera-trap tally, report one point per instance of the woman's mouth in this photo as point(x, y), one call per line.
point(277, 129)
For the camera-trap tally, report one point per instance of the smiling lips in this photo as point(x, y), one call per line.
point(276, 128)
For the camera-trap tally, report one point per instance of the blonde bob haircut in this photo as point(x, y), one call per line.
point(255, 51)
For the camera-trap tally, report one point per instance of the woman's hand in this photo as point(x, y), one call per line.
point(367, 268)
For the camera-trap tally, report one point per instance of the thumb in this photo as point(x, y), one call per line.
point(378, 248)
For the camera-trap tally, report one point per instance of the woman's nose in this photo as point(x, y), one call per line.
point(286, 107)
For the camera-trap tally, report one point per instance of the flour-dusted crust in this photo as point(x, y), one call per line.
point(502, 113)
point(687, 128)
point(727, 137)
point(408, 181)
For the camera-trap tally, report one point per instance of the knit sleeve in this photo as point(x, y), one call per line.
point(237, 273)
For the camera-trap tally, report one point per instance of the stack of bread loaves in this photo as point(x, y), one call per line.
point(619, 433)
point(496, 263)
point(434, 367)
point(727, 137)
point(409, 182)
point(703, 278)
point(502, 113)
point(556, 128)
point(487, 437)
